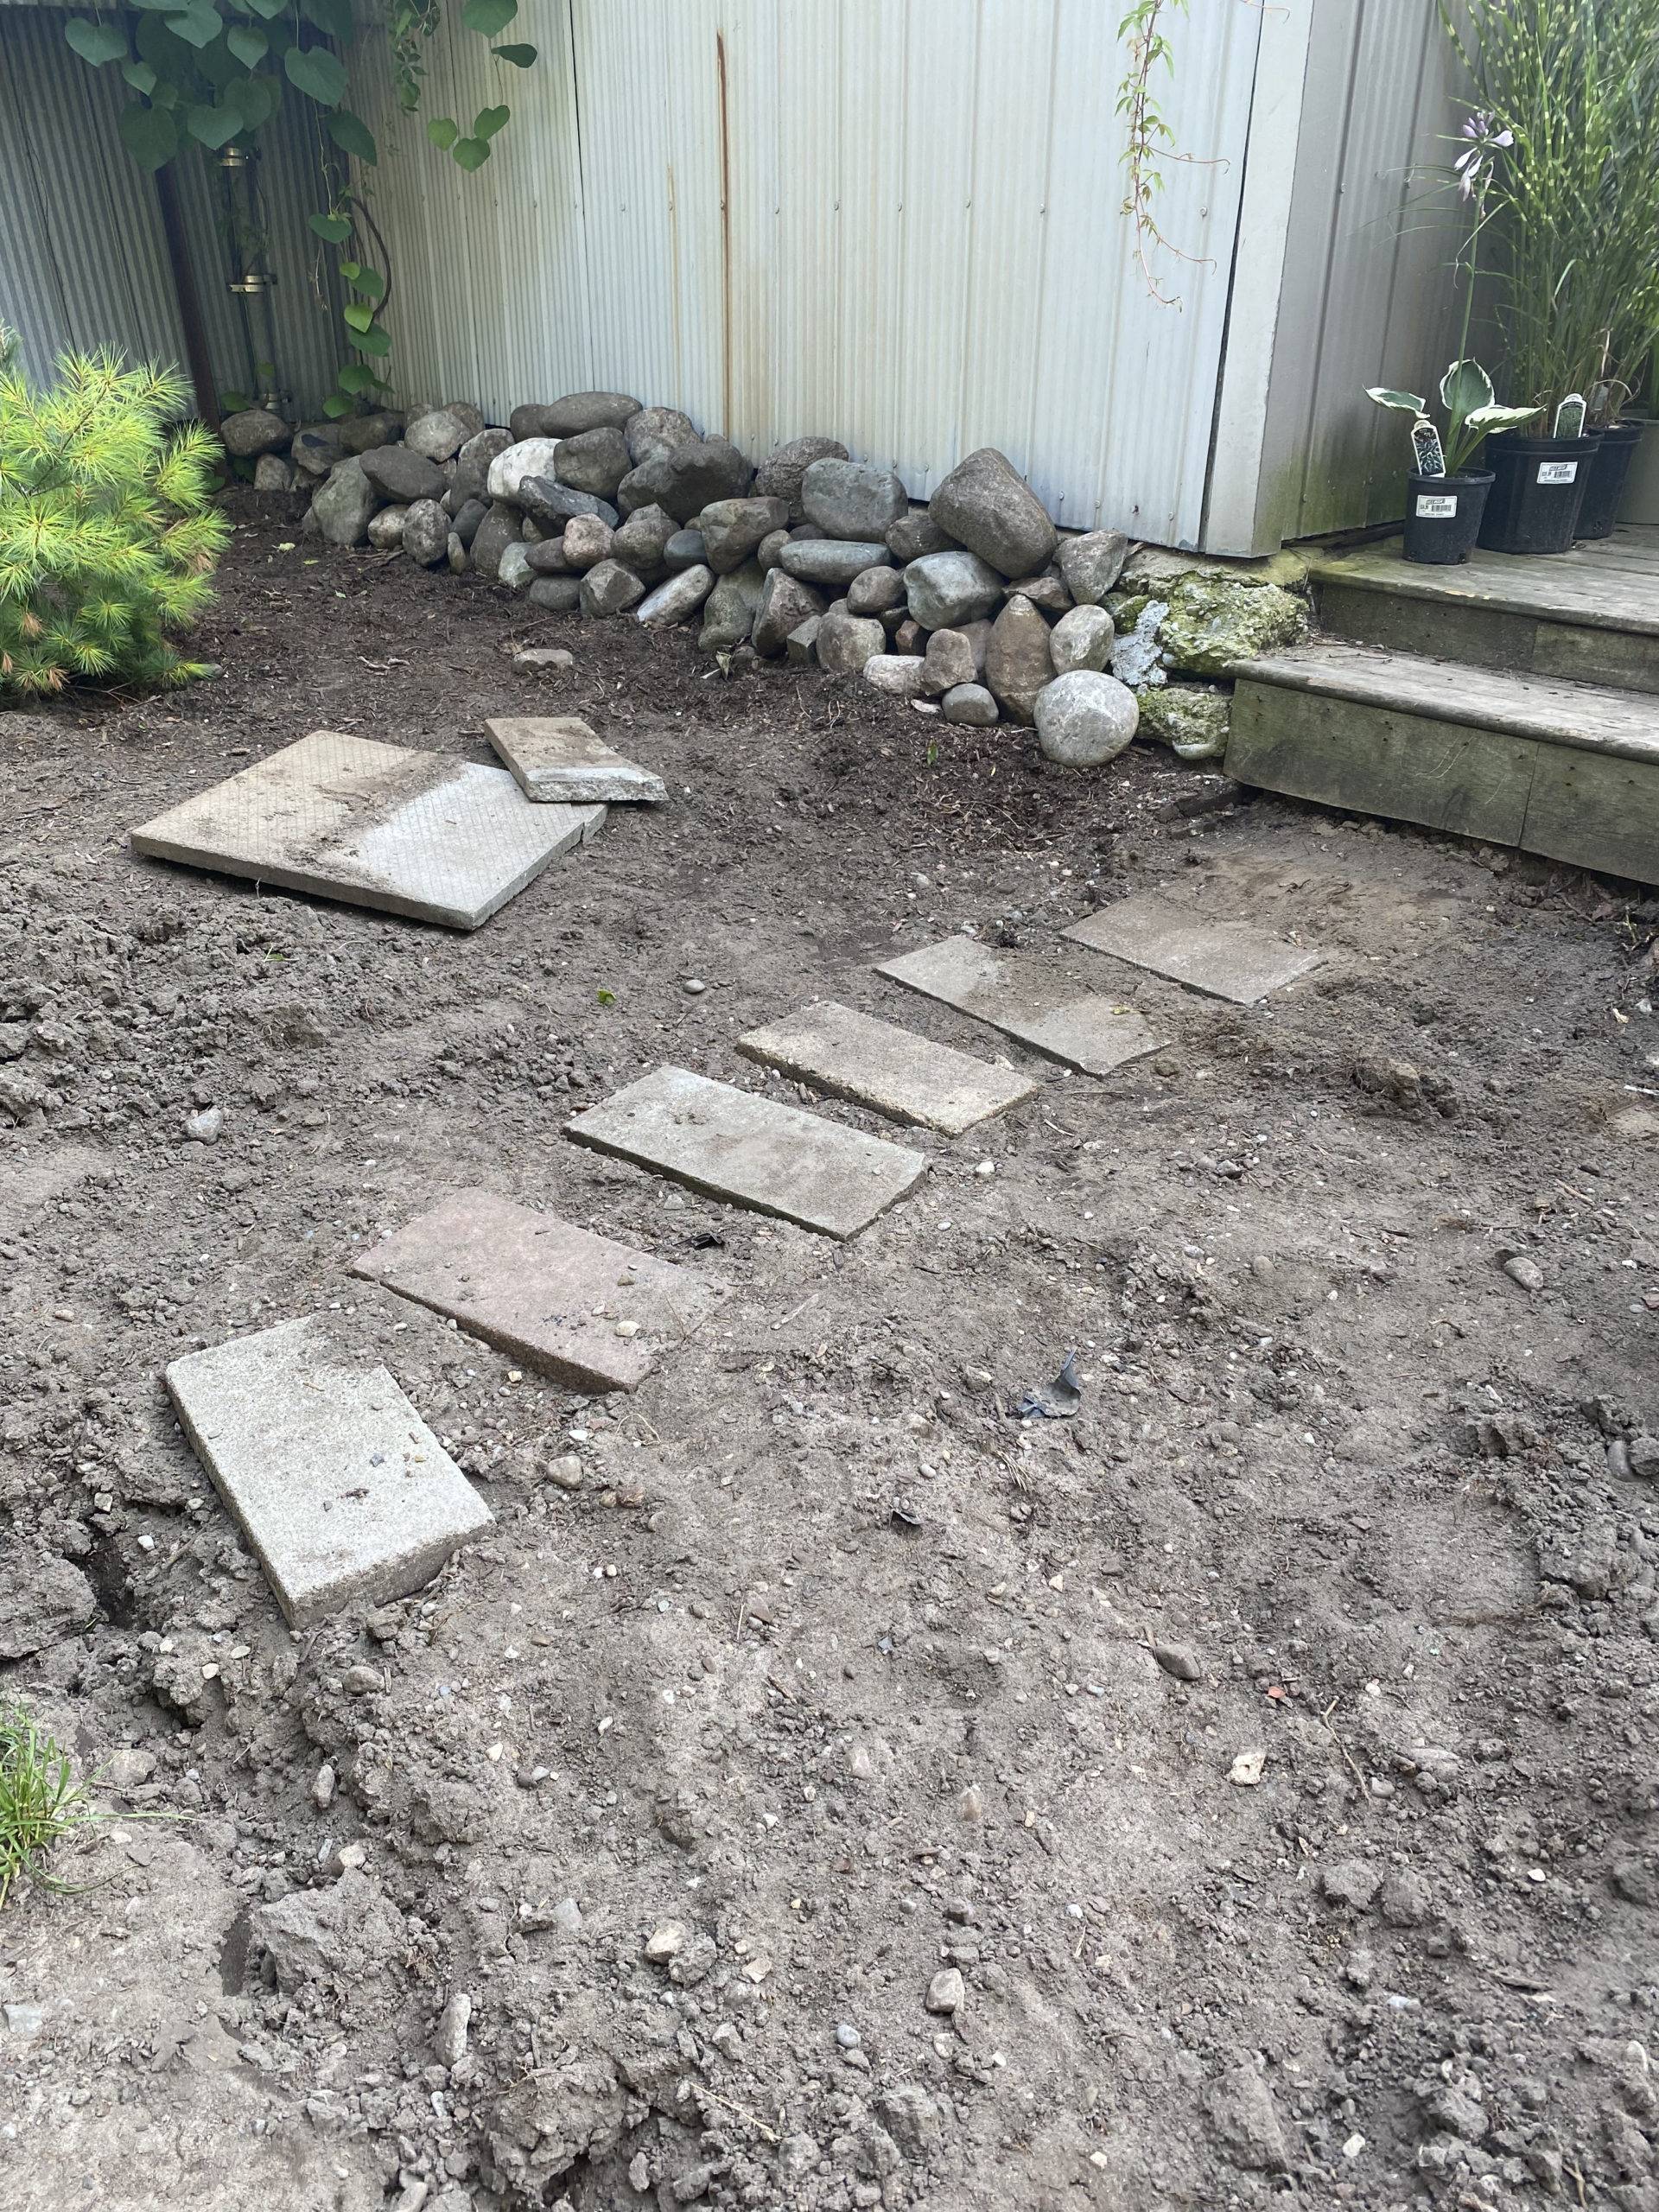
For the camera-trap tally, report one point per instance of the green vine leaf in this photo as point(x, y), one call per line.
point(332, 17)
point(487, 17)
point(148, 135)
point(351, 270)
point(471, 153)
point(197, 27)
point(521, 57)
point(352, 135)
point(95, 42)
point(489, 120)
point(369, 281)
point(443, 132)
point(358, 317)
point(214, 126)
point(333, 228)
point(356, 379)
point(316, 73)
point(373, 341)
point(334, 407)
point(249, 46)
point(140, 76)
point(256, 99)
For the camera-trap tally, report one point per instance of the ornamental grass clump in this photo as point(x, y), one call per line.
point(108, 536)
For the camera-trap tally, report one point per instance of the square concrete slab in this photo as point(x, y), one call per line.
point(419, 834)
point(560, 757)
point(852, 1055)
point(776, 1159)
point(1023, 999)
point(591, 1313)
point(1227, 960)
point(344, 1494)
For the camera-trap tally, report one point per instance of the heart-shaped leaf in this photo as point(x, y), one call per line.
point(333, 17)
point(148, 135)
point(520, 56)
point(95, 42)
point(140, 76)
point(256, 99)
point(334, 228)
point(352, 135)
point(249, 46)
point(214, 126)
point(374, 341)
point(489, 120)
point(1464, 387)
point(471, 153)
point(197, 27)
point(356, 377)
point(334, 407)
point(1407, 401)
point(358, 316)
point(317, 74)
point(369, 282)
point(349, 271)
point(487, 17)
point(442, 132)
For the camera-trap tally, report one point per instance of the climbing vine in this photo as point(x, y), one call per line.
point(207, 72)
point(1151, 141)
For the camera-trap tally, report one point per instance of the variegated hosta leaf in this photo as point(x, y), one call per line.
point(1464, 387)
point(1408, 401)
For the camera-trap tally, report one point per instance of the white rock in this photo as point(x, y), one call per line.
point(1246, 1768)
point(530, 457)
point(1085, 719)
point(901, 675)
point(673, 601)
point(1083, 638)
point(449, 2042)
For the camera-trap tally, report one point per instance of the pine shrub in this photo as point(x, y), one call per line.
point(108, 535)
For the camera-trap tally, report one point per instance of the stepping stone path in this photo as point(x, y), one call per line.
point(852, 1055)
point(1227, 960)
point(559, 757)
point(1023, 999)
point(344, 1494)
point(734, 1146)
point(591, 1313)
point(419, 833)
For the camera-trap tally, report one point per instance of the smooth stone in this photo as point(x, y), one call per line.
point(917, 534)
point(770, 551)
point(424, 834)
point(950, 660)
point(1046, 591)
point(1083, 638)
point(586, 542)
point(441, 435)
point(386, 528)
point(547, 557)
point(254, 431)
point(560, 757)
point(1018, 662)
point(1091, 564)
point(688, 479)
point(732, 528)
point(577, 413)
point(527, 457)
point(535, 660)
point(550, 1295)
point(426, 533)
point(833, 560)
point(458, 558)
point(1224, 959)
point(847, 641)
point(785, 603)
point(343, 507)
point(945, 589)
point(986, 504)
point(359, 432)
point(1085, 719)
point(749, 1150)
point(1025, 999)
point(498, 531)
point(272, 473)
point(676, 600)
point(853, 498)
point(512, 570)
point(343, 1493)
point(684, 548)
point(852, 1055)
point(472, 462)
point(901, 675)
point(969, 704)
point(317, 449)
point(466, 517)
point(609, 590)
point(728, 612)
point(642, 541)
point(551, 506)
point(875, 591)
point(656, 430)
point(594, 461)
point(781, 474)
point(554, 594)
point(403, 476)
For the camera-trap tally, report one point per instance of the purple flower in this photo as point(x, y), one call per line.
point(1475, 164)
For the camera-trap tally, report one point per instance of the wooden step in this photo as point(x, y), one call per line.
point(1568, 770)
point(1590, 615)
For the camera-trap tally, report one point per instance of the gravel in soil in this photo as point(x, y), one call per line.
point(823, 1787)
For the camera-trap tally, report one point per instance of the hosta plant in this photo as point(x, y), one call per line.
point(1472, 413)
point(108, 535)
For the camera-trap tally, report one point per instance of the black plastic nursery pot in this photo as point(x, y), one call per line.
point(1603, 488)
point(1538, 489)
point(1443, 515)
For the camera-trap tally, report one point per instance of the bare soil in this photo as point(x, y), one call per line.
point(835, 1675)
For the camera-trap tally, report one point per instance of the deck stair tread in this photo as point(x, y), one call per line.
point(1610, 584)
point(1592, 717)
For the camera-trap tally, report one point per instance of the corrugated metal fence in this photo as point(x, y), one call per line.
point(894, 225)
point(82, 259)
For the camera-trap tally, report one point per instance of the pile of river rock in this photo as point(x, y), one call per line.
point(974, 606)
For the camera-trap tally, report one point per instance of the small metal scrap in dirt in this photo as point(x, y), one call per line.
point(1056, 1401)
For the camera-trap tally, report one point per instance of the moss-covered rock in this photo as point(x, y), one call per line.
point(1192, 719)
point(1155, 568)
point(1214, 622)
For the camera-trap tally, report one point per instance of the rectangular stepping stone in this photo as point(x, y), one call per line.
point(591, 1313)
point(734, 1146)
point(1023, 999)
point(852, 1055)
point(419, 833)
point(1227, 960)
point(560, 757)
point(344, 1494)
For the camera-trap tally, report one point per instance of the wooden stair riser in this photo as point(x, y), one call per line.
point(1489, 637)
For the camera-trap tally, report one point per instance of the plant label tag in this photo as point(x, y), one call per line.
point(1431, 508)
point(1558, 472)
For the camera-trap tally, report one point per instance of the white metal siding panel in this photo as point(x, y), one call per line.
point(895, 224)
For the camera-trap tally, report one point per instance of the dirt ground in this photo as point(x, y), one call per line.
point(834, 1677)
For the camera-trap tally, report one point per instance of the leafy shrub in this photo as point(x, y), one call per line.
point(108, 537)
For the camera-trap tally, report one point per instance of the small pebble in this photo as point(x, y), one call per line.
point(1526, 1272)
point(694, 987)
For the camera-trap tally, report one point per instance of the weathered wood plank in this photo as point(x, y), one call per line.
point(1595, 812)
point(1556, 589)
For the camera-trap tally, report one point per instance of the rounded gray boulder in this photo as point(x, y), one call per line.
point(1085, 718)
